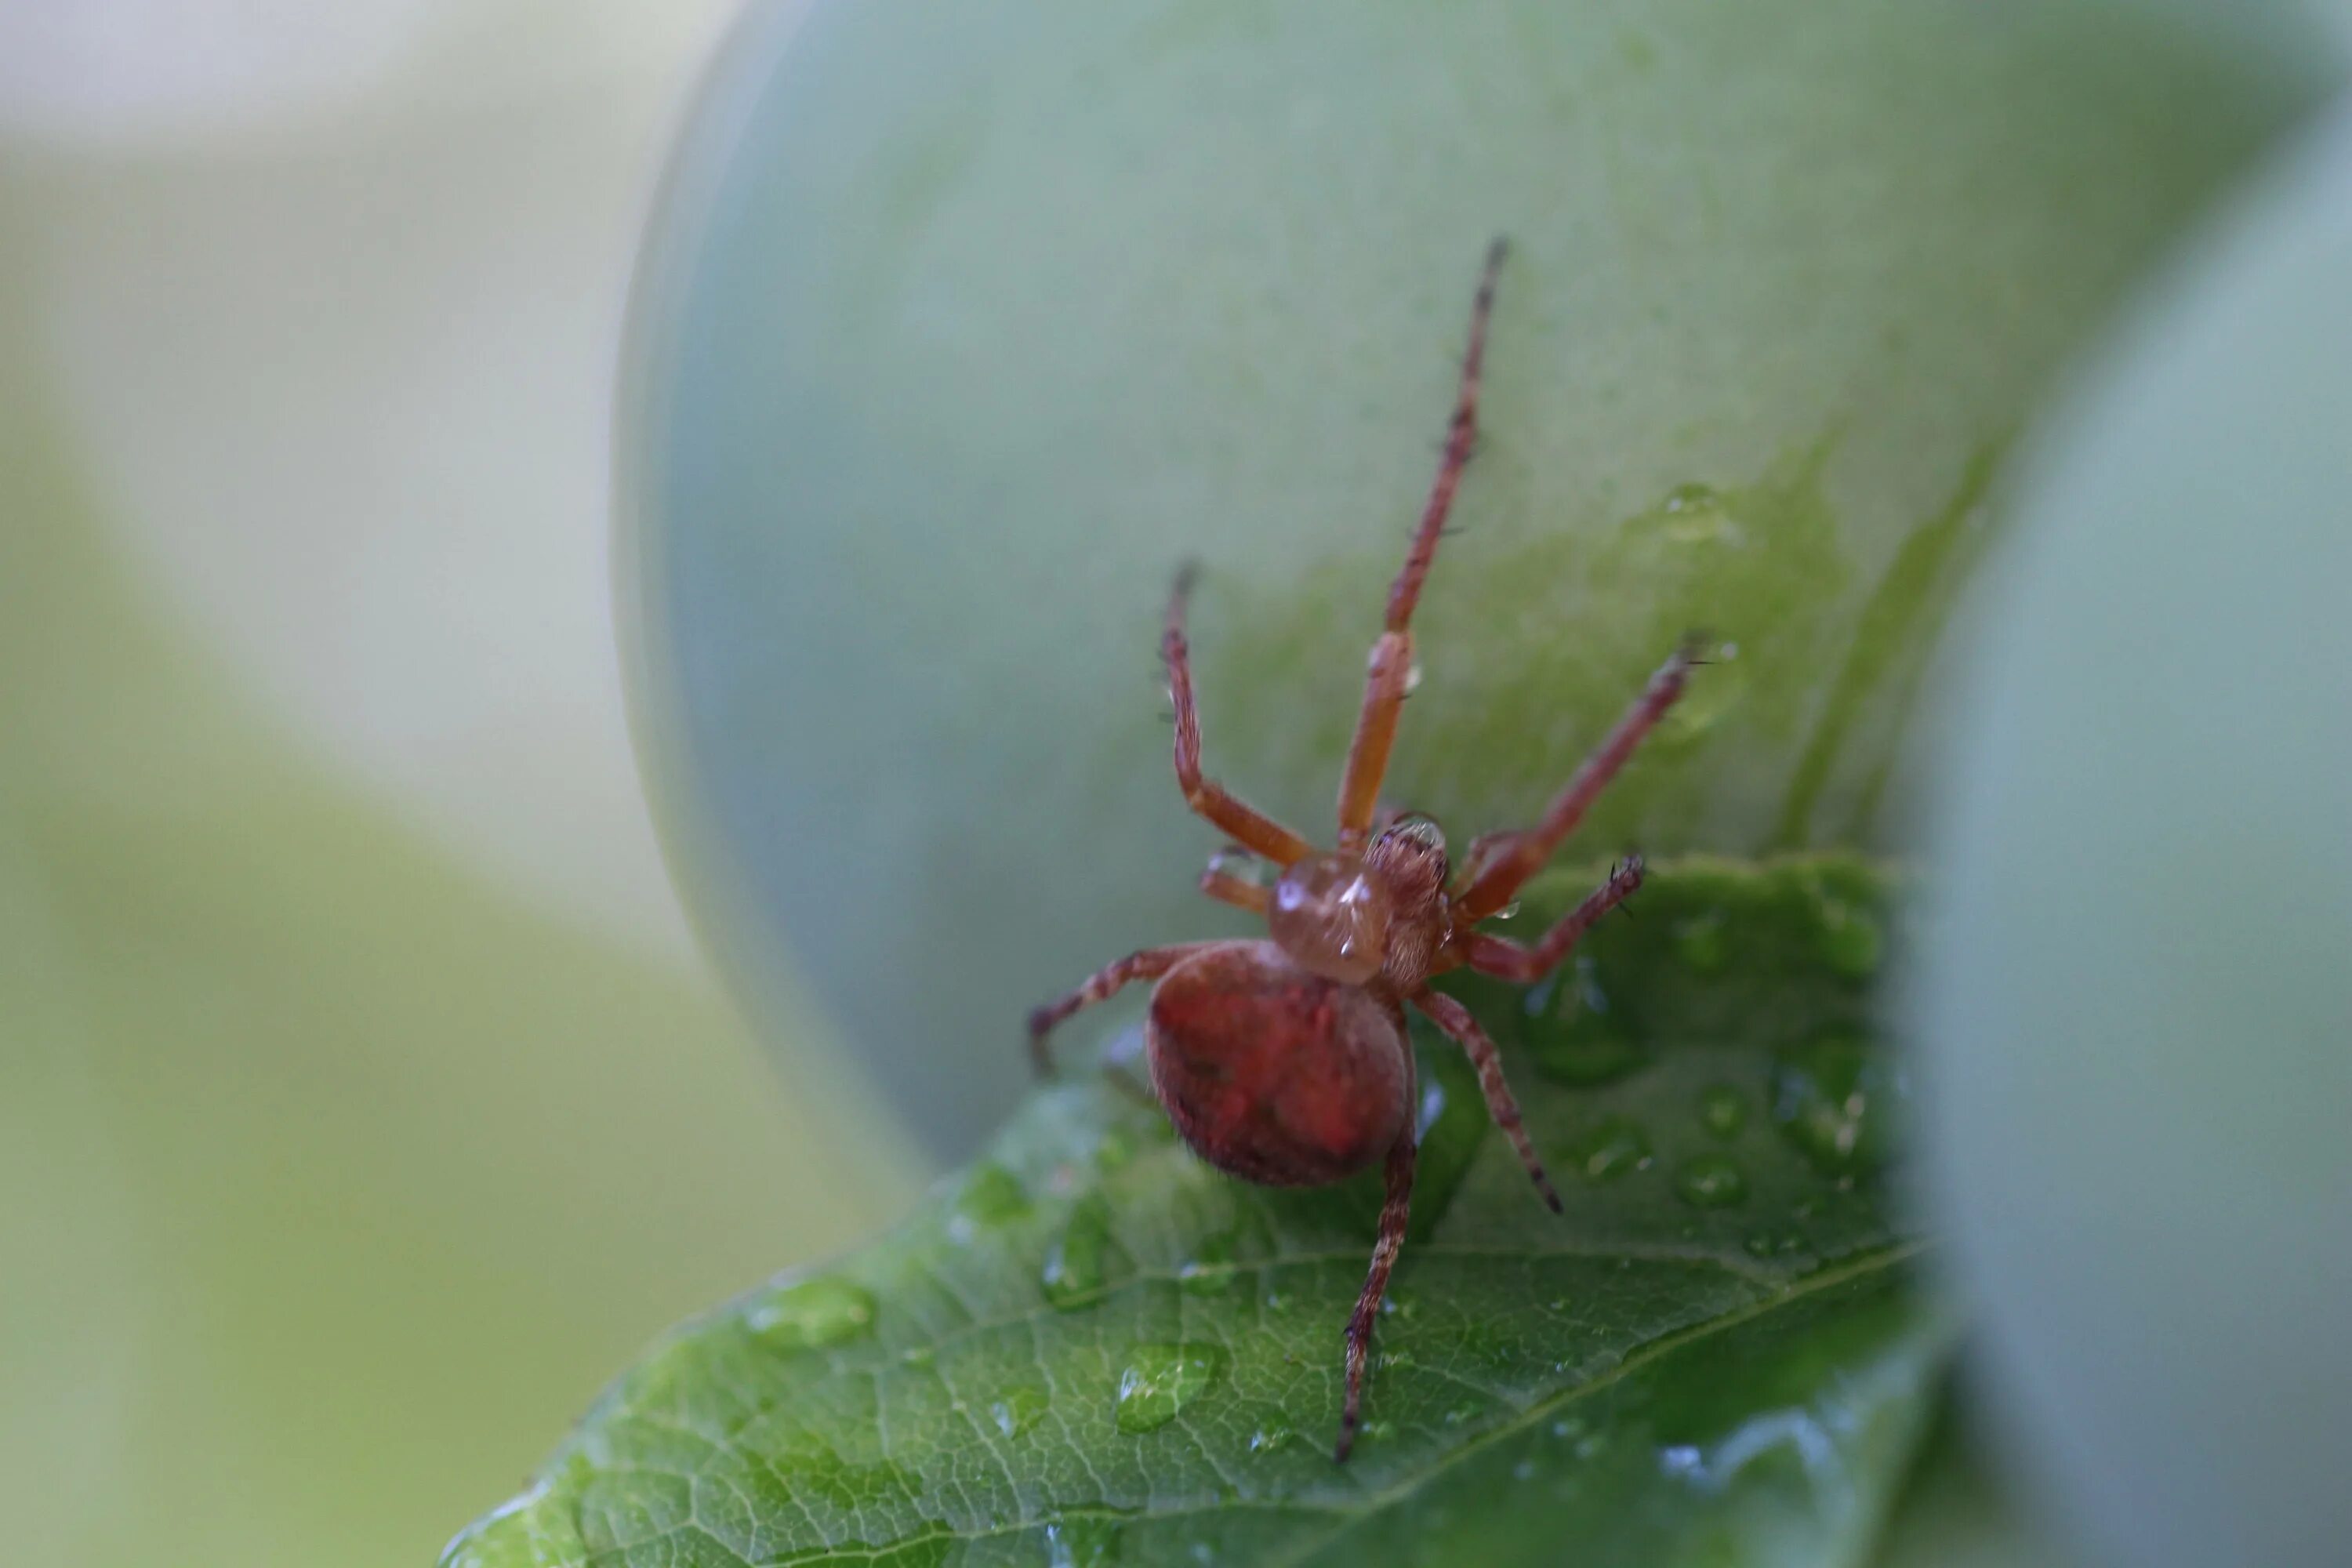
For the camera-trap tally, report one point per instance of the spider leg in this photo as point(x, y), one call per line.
point(1251, 828)
point(1454, 1018)
point(1508, 960)
point(1500, 877)
point(1149, 964)
point(1394, 1211)
point(1228, 888)
point(1390, 669)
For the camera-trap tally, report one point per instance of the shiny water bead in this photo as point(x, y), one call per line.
point(1331, 914)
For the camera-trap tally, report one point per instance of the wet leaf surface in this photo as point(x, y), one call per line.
point(1091, 1349)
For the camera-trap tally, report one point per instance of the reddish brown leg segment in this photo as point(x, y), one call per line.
point(1454, 1018)
point(1390, 669)
point(1251, 828)
point(1507, 960)
point(1501, 878)
point(1394, 1211)
point(1227, 889)
point(1150, 963)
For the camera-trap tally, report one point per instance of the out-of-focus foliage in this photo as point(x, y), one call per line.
point(312, 1197)
point(964, 325)
point(2139, 1004)
point(1091, 1348)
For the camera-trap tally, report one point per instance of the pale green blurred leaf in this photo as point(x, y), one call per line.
point(964, 325)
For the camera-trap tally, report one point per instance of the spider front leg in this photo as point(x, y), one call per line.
point(1502, 875)
point(1227, 889)
point(1388, 673)
point(1251, 827)
point(1507, 960)
point(1149, 964)
point(1395, 1209)
point(1454, 1018)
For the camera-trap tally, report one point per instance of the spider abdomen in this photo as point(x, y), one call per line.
point(1275, 1074)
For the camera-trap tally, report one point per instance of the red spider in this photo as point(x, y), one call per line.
point(1285, 1062)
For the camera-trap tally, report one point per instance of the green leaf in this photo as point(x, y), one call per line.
point(1090, 1347)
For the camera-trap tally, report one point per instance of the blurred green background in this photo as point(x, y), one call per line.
point(362, 1104)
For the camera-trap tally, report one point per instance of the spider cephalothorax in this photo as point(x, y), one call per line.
point(1283, 1060)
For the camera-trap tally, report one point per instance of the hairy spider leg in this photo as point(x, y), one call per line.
point(1508, 960)
point(1247, 826)
point(1389, 671)
point(1149, 964)
point(1500, 877)
point(1454, 1018)
point(1395, 1209)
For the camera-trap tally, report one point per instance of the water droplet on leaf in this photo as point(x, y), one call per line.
point(1081, 1542)
point(1077, 1262)
point(1698, 516)
point(1161, 1380)
point(1722, 1111)
point(1017, 1409)
point(1612, 1147)
point(813, 1314)
point(1271, 1439)
point(1574, 1032)
point(1711, 1182)
point(1703, 943)
point(1210, 1271)
point(1841, 1103)
point(1848, 938)
point(990, 1196)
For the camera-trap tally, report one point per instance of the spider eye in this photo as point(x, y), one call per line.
point(1330, 912)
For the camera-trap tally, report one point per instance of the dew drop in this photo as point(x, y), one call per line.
point(1076, 1262)
point(1081, 1542)
point(1412, 677)
point(1758, 1244)
point(1610, 1148)
point(1574, 1032)
point(1703, 943)
point(1713, 692)
point(1160, 1380)
point(1840, 1102)
point(1509, 912)
point(1722, 1111)
point(1711, 1182)
point(1210, 1271)
point(1848, 938)
point(917, 1355)
point(1271, 1439)
point(990, 1196)
point(1460, 1413)
point(1016, 1410)
point(813, 1314)
point(1697, 515)
point(1242, 865)
point(1376, 1431)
